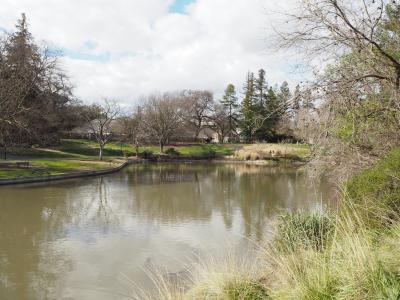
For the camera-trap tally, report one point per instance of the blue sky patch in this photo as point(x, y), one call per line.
point(179, 6)
point(83, 53)
point(73, 54)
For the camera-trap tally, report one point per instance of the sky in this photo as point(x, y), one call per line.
point(126, 49)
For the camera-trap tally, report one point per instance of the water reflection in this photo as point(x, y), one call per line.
point(74, 239)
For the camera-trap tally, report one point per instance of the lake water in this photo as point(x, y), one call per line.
point(91, 238)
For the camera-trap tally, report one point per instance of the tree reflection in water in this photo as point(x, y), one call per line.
point(74, 238)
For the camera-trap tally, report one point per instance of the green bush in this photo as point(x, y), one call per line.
point(303, 231)
point(376, 191)
point(147, 154)
point(210, 153)
point(128, 154)
point(245, 290)
point(172, 152)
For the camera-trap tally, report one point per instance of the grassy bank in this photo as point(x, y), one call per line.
point(352, 253)
point(73, 155)
point(54, 167)
point(86, 149)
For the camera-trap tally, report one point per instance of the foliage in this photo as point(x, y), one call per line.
point(146, 154)
point(303, 231)
point(247, 122)
point(241, 289)
point(358, 92)
point(318, 255)
point(263, 108)
point(375, 192)
point(35, 97)
point(230, 103)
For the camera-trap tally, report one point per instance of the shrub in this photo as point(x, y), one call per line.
point(303, 230)
point(247, 155)
point(254, 156)
point(128, 154)
point(172, 152)
point(210, 153)
point(245, 290)
point(147, 154)
point(376, 191)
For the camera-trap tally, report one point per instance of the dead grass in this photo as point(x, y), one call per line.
point(272, 151)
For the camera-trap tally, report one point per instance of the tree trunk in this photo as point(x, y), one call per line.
point(5, 152)
point(197, 133)
point(137, 149)
point(161, 146)
point(101, 152)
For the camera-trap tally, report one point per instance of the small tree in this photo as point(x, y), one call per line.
point(99, 119)
point(162, 118)
point(220, 121)
point(137, 130)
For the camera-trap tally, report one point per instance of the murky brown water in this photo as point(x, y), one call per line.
point(82, 239)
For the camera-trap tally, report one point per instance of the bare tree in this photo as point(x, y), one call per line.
point(220, 121)
point(162, 118)
point(99, 119)
point(337, 26)
point(358, 117)
point(132, 130)
point(197, 106)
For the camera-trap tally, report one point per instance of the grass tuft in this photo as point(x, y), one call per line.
point(303, 230)
point(353, 254)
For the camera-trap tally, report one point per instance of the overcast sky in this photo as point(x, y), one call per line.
point(123, 49)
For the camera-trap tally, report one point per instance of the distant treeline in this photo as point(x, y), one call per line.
point(37, 106)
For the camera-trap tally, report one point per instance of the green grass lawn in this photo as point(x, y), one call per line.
point(204, 150)
point(89, 150)
point(72, 148)
point(75, 155)
point(53, 167)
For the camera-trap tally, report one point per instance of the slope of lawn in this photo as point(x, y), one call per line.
point(86, 149)
point(73, 155)
point(204, 150)
point(71, 148)
point(54, 167)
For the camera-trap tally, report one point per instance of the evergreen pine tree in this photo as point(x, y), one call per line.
point(272, 113)
point(260, 89)
point(260, 106)
point(38, 86)
point(284, 97)
point(230, 103)
point(247, 124)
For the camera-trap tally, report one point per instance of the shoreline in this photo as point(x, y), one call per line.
point(83, 174)
point(65, 176)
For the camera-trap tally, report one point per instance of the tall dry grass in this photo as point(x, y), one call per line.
point(353, 253)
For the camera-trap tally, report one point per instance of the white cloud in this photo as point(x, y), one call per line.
point(149, 49)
